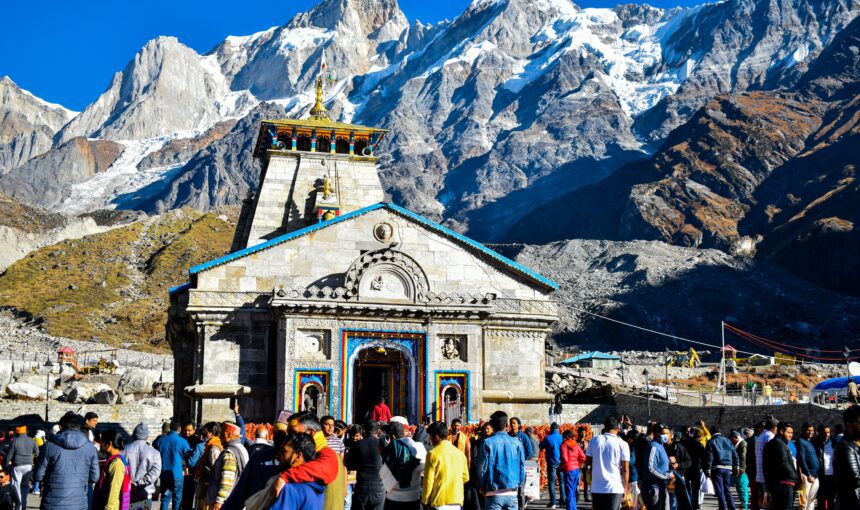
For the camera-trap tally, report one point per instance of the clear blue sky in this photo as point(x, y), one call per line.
point(67, 52)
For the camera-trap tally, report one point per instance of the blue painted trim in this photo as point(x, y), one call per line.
point(179, 288)
point(468, 389)
point(474, 244)
point(382, 205)
point(282, 239)
point(297, 371)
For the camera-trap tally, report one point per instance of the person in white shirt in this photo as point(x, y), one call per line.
point(608, 458)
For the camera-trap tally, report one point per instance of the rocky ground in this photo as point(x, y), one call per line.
point(682, 291)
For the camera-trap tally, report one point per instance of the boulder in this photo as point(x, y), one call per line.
point(136, 382)
point(81, 393)
point(157, 402)
point(25, 391)
point(105, 396)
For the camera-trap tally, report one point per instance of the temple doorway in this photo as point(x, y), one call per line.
point(380, 372)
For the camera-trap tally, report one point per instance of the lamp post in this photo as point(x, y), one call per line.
point(49, 365)
point(846, 353)
point(667, 373)
point(648, 390)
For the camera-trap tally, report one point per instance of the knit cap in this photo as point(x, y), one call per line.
point(141, 431)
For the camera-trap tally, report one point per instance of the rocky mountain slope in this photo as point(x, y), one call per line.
point(771, 173)
point(27, 124)
point(493, 114)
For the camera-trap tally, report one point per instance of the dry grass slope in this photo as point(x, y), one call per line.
point(112, 287)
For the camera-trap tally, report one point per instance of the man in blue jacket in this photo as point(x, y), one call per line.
point(500, 466)
point(174, 449)
point(807, 461)
point(295, 451)
point(721, 462)
point(658, 473)
point(68, 466)
point(551, 445)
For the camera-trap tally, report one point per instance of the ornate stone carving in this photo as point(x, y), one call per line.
point(526, 306)
point(383, 232)
point(386, 274)
point(313, 344)
point(452, 347)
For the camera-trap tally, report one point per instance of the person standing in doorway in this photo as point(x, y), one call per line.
point(380, 412)
point(551, 445)
point(608, 459)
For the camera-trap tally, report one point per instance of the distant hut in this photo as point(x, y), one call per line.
point(66, 356)
point(593, 359)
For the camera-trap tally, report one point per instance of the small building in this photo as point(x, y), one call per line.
point(729, 352)
point(67, 356)
point(593, 359)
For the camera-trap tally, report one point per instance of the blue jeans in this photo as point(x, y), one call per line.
point(722, 479)
point(571, 482)
point(502, 503)
point(171, 490)
point(551, 474)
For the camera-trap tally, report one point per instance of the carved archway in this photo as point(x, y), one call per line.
point(387, 275)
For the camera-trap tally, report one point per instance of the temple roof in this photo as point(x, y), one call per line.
point(322, 123)
point(470, 244)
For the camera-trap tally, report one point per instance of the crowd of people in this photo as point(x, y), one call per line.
point(323, 463)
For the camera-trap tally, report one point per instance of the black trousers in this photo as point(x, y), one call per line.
point(781, 496)
point(368, 498)
point(606, 501)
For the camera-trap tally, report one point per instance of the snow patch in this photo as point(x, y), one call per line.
point(122, 178)
point(303, 37)
point(797, 56)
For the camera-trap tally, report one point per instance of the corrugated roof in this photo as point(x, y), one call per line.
point(590, 355)
point(510, 264)
point(179, 288)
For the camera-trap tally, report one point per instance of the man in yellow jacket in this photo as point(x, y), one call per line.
point(445, 471)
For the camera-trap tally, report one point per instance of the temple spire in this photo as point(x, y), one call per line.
point(319, 112)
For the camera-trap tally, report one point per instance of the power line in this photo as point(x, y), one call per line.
point(655, 332)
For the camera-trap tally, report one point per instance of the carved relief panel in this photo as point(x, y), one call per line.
point(452, 347)
point(313, 344)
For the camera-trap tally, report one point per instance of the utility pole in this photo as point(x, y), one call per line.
point(721, 380)
point(666, 364)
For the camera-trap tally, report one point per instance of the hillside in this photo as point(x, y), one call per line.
point(112, 287)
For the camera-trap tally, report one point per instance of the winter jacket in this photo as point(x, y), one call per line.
point(174, 449)
point(697, 454)
point(24, 450)
point(307, 496)
point(807, 458)
point(720, 453)
point(9, 497)
point(677, 450)
point(261, 467)
point(846, 467)
point(226, 471)
point(780, 465)
point(501, 463)
point(144, 464)
point(658, 469)
point(551, 444)
point(69, 465)
point(526, 442)
point(572, 456)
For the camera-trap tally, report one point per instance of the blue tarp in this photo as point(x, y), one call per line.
point(835, 384)
point(589, 355)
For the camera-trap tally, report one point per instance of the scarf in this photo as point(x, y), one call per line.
point(201, 469)
point(102, 490)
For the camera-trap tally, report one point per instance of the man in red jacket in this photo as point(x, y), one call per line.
point(323, 468)
point(380, 411)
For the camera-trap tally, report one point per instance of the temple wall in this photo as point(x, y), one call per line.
point(329, 252)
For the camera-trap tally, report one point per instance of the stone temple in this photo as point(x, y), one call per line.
point(331, 298)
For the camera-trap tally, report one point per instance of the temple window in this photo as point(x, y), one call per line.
point(342, 145)
point(303, 143)
point(323, 144)
point(360, 145)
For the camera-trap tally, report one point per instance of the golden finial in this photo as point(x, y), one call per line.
point(318, 112)
point(326, 187)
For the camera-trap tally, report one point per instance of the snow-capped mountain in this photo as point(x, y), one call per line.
point(493, 114)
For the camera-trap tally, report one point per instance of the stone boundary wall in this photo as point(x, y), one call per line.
point(124, 416)
point(727, 417)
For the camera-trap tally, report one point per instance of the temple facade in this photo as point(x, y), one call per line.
point(332, 298)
